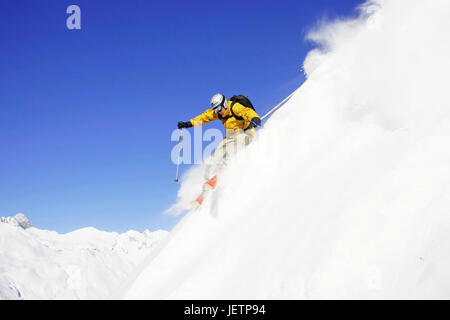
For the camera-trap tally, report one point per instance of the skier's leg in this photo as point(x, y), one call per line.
point(216, 163)
point(216, 160)
point(242, 141)
point(237, 144)
point(226, 149)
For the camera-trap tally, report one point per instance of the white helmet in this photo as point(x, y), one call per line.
point(218, 101)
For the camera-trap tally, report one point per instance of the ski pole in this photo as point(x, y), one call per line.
point(179, 151)
point(278, 105)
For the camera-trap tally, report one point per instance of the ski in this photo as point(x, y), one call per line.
point(210, 184)
point(207, 186)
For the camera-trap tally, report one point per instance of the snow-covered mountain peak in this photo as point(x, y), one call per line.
point(19, 220)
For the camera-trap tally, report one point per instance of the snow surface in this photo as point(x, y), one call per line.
point(83, 264)
point(346, 192)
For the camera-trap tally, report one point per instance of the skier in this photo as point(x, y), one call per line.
point(239, 119)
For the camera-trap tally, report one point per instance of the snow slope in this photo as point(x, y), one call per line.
point(83, 264)
point(346, 193)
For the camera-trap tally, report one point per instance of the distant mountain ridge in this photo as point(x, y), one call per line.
point(83, 264)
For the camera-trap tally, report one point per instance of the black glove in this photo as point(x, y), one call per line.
point(182, 124)
point(256, 122)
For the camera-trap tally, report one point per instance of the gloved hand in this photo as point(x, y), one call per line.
point(256, 122)
point(182, 124)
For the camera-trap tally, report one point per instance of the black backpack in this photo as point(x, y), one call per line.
point(244, 100)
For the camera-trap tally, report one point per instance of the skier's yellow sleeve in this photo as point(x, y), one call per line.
point(207, 116)
point(246, 113)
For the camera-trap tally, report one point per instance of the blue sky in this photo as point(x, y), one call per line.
point(86, 115)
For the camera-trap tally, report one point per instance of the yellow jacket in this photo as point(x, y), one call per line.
point(235, 121)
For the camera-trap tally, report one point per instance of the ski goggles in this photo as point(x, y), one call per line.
point(217, 108)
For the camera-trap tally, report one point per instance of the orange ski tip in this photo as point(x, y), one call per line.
point(211, 183)
point(198, 201)
point(207, 186)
